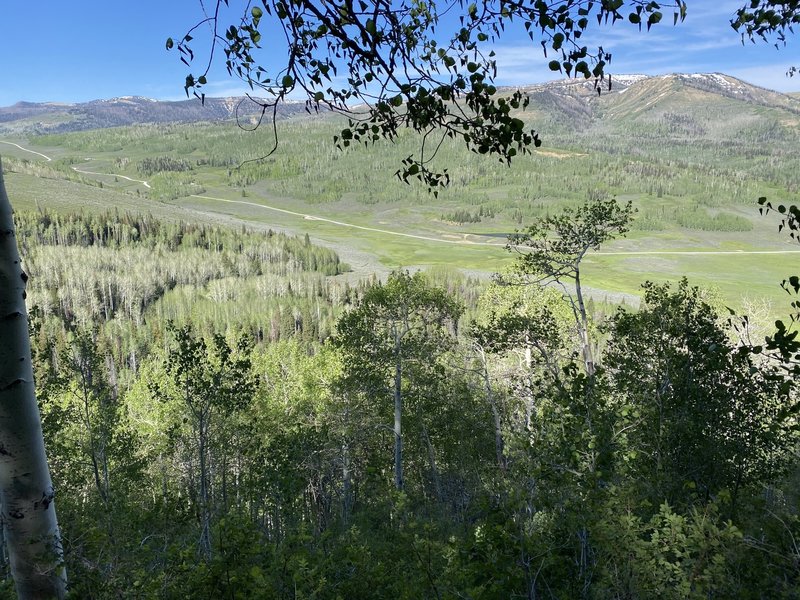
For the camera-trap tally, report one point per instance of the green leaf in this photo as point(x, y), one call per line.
point(653, 19)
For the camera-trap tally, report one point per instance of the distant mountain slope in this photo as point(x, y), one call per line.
point(32, 118)
point(713, 106)
point(695, 92)
point(687, 103)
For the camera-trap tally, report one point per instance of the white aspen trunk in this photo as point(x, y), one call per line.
point(398, 427)
point(499, 445)
point(347, 485)
point(26, 491)
point(584, 327)
point(205, 517)
point(437, 481)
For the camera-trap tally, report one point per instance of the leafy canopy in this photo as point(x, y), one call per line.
point(766, 20)
point(553, 247)
point(406, 317)
point(701, 412)
point(785, 342)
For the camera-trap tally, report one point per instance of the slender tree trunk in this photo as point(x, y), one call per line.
point(3, 556)
point(437, 481)
point(26, 491)
point(224, 470)
point(205, 518)
point(398, 417)
point(584, 327)
point(347, 485)
point(347, 477)
point(95, 454)
point(499, 445)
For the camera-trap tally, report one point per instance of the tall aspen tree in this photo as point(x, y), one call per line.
point(26, 491)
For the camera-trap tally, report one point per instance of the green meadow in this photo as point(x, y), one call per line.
point(696, 196)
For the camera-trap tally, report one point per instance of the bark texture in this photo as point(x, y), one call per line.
point(26, 491)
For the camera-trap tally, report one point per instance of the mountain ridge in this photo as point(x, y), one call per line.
point(31, 118)
point(568, 101)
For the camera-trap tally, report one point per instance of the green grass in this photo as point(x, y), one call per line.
point(391, 250)
point(687, 191)
point(736, 278)
point(28, 192)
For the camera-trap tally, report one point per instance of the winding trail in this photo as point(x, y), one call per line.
point(475, 243)
point(310, 217)
point(144, 183)
point(76, 169)
point(44, 156)
point(351, 225)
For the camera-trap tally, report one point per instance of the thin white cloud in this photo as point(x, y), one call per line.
point(716, 11)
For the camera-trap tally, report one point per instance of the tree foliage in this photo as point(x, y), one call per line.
point(551, 251)
point(767, 18)
point(785, 341)
point(702, 417)
point(391, 341)
point(213, 381)
point(552, 248)
point(520, 476)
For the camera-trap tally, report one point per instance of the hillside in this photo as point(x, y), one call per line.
point(568, 103)
point(692, 152)
point(681, 100)
point(682, 88)
point(29, 118)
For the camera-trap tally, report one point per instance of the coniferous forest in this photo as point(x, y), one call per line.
point(227, 418)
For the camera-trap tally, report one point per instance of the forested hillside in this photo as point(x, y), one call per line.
point(229, 412)
point(693, 152)
point(57, 117)
point(225, 419)
point(383, 321)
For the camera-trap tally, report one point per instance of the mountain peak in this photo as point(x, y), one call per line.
point(570, 102)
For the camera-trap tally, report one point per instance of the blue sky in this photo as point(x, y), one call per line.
point(78, 50)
